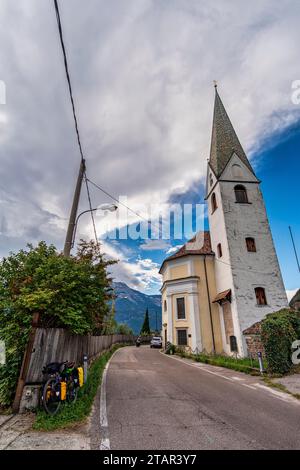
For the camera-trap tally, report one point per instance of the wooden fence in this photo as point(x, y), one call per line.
point(58, 345)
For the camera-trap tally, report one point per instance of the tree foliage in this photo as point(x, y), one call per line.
point(67, 292)
point(279, 330)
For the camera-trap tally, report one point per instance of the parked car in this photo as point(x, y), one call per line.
point(156, 342)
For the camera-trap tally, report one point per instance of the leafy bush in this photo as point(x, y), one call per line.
point(171, 349)
point(123, 329)
point(67, 292)
point(279, 330)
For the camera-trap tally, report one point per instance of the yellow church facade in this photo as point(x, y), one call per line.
point(190, 314)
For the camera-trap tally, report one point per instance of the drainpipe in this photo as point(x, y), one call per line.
point(209, 306)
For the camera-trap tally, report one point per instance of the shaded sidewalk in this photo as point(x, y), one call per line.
point(16, 434)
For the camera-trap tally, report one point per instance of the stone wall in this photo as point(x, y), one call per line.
point(253, 340)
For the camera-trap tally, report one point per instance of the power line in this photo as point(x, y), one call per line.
point(91, 208)
point(122, 204)
point(295, 251)
point(242, 269)
point(68, 75)
point(74, 112)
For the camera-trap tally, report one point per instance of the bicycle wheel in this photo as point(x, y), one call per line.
point(51, 396)
point(71, 392)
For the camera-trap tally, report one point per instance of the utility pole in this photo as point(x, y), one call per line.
point(73, 214)
point(297, 259)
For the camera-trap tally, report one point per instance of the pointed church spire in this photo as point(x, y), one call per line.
point(224, 141)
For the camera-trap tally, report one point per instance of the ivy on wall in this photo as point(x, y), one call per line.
point(278, 331)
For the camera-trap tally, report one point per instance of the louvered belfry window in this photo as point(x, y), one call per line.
point(260, 296)
point(213, 202)
point(219, 248)
point(250, 243)
point(240, 194)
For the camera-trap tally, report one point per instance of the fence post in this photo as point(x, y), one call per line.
point(261, 365)
point(85, 367)
point(25, 363)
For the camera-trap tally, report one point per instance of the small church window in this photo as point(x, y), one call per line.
point(233, 344)
point(219, 249)
point(182, 337)
point(165, 306)
point(180, 308)
point(261, 298)
point(250, 243)
point(240, 194)
point(213, 202)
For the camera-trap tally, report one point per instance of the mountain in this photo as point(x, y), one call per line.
point(131, 305)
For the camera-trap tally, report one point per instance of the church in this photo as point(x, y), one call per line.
point(228, 278)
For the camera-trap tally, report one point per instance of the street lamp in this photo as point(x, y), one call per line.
point(102, 207)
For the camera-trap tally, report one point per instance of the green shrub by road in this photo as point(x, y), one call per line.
point(70, 414)
point(279, 330)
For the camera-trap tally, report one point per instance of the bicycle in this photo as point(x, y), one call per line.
point(61, 386)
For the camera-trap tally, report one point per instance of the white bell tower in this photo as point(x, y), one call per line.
point(248, 277)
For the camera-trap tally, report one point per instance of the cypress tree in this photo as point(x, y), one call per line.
point(146, 325)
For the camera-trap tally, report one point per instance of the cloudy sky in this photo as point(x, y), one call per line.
point(142, 73)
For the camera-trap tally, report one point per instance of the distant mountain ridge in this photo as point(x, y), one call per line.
point(131, 305)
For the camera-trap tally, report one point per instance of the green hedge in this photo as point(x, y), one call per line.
point(71, 293)
point(278, 331)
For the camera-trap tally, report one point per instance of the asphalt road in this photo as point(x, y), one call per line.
point(162, 403)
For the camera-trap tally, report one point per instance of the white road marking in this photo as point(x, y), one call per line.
point(276, 394)
point(249, 386)
point(202, 367)
point(103, 413)
point(105, 443)
point(237, 378)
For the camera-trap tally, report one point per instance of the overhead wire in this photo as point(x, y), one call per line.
point(91, 208)
point(74, 113)
point(68, 75)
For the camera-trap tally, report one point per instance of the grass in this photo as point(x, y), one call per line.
point(71, 414)
point(245, 365)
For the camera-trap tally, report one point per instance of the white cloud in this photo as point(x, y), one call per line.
point(140, 273)
point(173, 249)
point(149, 245)
point(142, 76)
point(290, 294)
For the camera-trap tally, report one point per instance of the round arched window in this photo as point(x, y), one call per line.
point(240, 194)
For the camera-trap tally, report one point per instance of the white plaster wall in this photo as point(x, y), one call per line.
point(189, 287)
point(250, 270)
point(223, 271)
point(238, 269)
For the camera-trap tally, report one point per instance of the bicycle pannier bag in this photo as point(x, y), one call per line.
point(80, 376)
point(63, 390)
